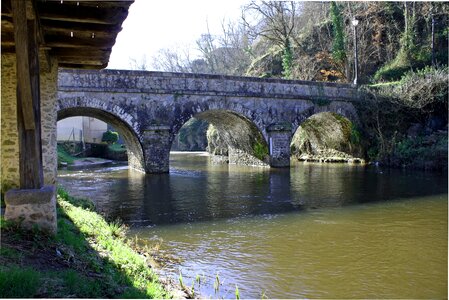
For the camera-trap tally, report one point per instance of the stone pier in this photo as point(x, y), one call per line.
point(279, 139)
point(156, 148)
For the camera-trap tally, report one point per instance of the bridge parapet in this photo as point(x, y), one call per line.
point(202, 84)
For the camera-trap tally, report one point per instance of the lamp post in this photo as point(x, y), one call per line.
point(355, 22)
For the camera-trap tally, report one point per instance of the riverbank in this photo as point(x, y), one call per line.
point(88, 258)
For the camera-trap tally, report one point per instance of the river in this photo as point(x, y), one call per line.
point(311, 231)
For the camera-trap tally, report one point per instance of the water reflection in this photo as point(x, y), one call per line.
point(196, 190)
point(311, 231)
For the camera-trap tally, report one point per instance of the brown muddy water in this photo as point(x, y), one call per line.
point(311, 231)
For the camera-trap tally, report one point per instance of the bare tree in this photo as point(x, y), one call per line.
point(172, 60)
point(139, 63)
point(275, 21)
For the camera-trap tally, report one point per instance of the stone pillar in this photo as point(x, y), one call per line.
point(156, 148)
point(29, 207)
point(49, 96)
point(9, 159)
point(279, 139)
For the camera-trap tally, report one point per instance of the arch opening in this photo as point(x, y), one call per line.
point(134, 148)
point(327, 137)
point(229, 137)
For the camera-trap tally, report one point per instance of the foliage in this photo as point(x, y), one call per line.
point(389, 110)
point(260, 150)
point(287, 58)
point(110, 137)
point(338, 46)
point(393, 70)
point(418, 90)
point(191, 136)
point(422, 152)
point(314, 41)
point(63, 156)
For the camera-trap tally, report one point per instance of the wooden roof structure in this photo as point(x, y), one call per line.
point(79, 33)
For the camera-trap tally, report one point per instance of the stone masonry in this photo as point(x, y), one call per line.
point(49, 94)
point(149, 108)
point(28, 206)
point(9, 135)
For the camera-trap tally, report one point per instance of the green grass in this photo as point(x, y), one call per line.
point(64, 157)
point(19, 282)
point(107, 238)
point(99, 262)
point(117, 148)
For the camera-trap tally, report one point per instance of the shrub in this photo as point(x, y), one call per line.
point(110, 137)
point(419, 89)
point(260, 150)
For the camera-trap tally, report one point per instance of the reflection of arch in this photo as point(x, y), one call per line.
point(133, 145)
point(238, 132)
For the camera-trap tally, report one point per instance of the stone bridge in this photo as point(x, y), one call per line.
point(149, 108)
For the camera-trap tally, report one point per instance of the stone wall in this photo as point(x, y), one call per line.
point(9, 136)
point(49, 94)
point(204, 84)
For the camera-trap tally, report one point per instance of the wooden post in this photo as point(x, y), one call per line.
point(28, 97)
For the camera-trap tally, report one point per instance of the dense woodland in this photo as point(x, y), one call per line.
point(402, 55)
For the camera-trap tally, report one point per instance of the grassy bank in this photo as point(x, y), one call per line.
point(64, 156)
point(88, 258)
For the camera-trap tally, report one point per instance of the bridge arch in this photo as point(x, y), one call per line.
point(327, 136)
point(344, 109)
point(110, 114)
point(232, 134)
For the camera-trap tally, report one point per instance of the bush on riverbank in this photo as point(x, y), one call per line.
point(88, 258)
point(405, 122)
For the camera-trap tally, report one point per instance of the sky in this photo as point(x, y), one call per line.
point(155, 24)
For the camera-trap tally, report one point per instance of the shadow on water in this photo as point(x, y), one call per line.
point(196, 190)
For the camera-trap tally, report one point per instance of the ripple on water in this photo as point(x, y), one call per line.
point(371, 235)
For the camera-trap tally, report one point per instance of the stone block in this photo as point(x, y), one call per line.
point(33, 207)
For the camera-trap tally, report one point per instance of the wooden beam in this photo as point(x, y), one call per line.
point(6, 8)
point(7, 24)
point(78, 42)
point(8, 49)
point(70, 12)
point(82, 61)
point(7, 38)
point(100, 3)
point(46, 59)
point(62, 52)
point(30, 142)
point(87, 67)
point(65, 26)
point(23, 65)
